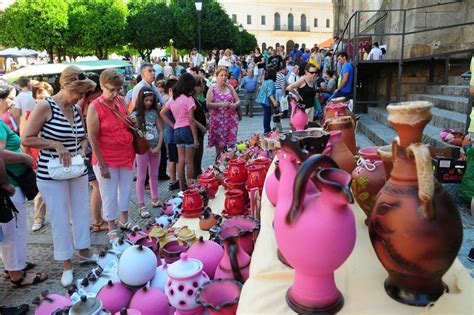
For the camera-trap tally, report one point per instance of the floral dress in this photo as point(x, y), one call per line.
point(223, 121)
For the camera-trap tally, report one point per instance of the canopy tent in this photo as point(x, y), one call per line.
point(57, 68)
point(327, 43)
point(15, 53)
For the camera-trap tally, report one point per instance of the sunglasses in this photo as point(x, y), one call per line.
point(312, 72)
point(81, 76)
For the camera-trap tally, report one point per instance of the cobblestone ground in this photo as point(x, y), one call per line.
point(40, 250)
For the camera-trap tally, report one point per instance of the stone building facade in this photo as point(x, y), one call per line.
point(431, 14)
point(278, 22)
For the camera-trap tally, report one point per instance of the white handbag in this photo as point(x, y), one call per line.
point(58, 171)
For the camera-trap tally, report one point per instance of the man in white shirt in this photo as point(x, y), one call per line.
point(293, 76)
point(24, 102)
point(167, 70)
point(148, 76)
point(375, 52)
point(196, 58)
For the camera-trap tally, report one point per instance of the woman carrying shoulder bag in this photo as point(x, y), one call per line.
point(63, 144)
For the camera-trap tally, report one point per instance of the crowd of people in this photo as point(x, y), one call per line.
point(90, 121)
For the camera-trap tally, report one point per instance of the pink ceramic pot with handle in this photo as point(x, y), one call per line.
point(298, 118)
point(150, 301)
point(209, 253)
point(235, 262)
point(315, 234)
point(115, 296)
point(249, 226)
point(220, 296)
point(185, 277)
point(48, 303)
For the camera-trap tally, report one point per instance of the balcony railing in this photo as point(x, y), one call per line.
point(290, 28)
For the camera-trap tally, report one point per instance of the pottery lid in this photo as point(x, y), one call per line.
point(86, 306)
point(185, 267)
point(157, 231)
point(185, 233)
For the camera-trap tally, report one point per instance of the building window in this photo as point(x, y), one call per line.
point(277, 22)
point(234, 18)
point(290, 22)
point(315, 22)
point(249, 19)
point(303, 23)
point(328, 23)
point(263, 20)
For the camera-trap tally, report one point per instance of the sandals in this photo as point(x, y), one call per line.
point(144, 214)
point(113, 235)
point(92, 259)
point(100, 227)
point(39, 277)
point(157, 204)
point(28, 267)
point(128, 226)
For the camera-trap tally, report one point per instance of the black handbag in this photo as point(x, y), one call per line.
point(26, 182)
point(7, 209)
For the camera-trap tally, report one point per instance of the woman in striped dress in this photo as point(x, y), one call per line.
point(59, 122)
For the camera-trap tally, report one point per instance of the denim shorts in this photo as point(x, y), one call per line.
point(184, 137)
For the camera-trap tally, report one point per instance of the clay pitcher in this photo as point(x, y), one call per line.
point(367, 179)
point(415, 227)
point(298, 118)
point(308, 231)
point(235, 263)
point(345, 124)
point(337, 107)
point(338, 151)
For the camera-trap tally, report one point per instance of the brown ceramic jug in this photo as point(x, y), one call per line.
point(415, 227)
point(367, 179)
point(346, 124)
point(337, 150)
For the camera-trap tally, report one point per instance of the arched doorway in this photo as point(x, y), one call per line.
point(277, 25)
point(264, 47)
point(291, 23)
point(290, 45)
point(303, 23)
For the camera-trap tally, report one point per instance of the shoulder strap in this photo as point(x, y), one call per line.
point(127, 122)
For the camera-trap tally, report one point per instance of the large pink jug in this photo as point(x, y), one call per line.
point(299, 118)
point(316, 234)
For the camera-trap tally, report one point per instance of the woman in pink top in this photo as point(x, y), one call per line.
point(113, 154)
point(182, 106)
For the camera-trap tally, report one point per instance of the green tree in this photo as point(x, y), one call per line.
point(247, 42)
point(97, 26)
point(35, 24)
point(149, 25)
point(217, 29)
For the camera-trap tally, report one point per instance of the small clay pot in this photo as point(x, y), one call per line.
point(208, 219)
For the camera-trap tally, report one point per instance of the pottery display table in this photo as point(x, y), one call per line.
point(360, 279)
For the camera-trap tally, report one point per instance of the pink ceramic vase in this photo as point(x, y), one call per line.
point(49, 303)
point(209, 253)
point(115, 296)
point(220, 296)
point(249, 226)
point(150, 301)
point(271, 185)
point(299, 118)
point(235, 262)
point(315, 234)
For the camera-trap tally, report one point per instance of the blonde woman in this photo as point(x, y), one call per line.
point(223, 103)
point(58, 120)
point(226, 58)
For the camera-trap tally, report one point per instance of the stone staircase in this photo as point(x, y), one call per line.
point(450, 111)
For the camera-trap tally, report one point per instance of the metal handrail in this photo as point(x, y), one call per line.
point(355, 19)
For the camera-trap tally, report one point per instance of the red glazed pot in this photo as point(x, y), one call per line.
point(192, 203)
point(261, 160)
point(237, 172)
point(220, 296)
point(209, 182)
point(239, 186)
point(234, 202)
point(256, 176)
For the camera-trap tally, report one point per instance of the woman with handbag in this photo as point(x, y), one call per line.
point(62, 175)
point(224, 104)
point(18, 166)
point(113, 153)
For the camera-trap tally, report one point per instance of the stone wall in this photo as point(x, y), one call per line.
point(419, 44)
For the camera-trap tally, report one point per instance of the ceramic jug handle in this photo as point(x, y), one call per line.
point(424, 171)
point(234, 263)
point(309, 166)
